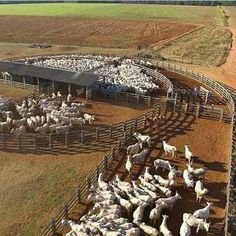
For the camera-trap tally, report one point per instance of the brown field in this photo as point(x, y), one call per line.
point(88, 32)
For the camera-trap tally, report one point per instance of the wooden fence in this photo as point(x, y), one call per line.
point(82, 192)
point(210, 83)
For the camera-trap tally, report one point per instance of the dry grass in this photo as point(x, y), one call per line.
point(208, 46)
point(14, 92)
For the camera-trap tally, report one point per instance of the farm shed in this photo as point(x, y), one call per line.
point(58, 79)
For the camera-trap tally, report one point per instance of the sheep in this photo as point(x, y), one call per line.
point(139, 157)
point(169, 149)
point(164, 182)
point(133, 149)
point(159, 163)
point(42, 129)
point(128, 165)
point(77, 121)
point(155, 213)
point(163, 227)
point(148, 229)
point(173, 173)
point(166, 191)
point(124, 203)
point(200, 191)
point(102, 184)
point(170, 201)
point(185, 229)
point(188, 179)
point(18, 131)
point(188, 154)
point(123, 185)
point(59, 94)
point(199, 172)
point(147, 175)
point(71, 233)
point(77, 228)
point(145, 198)
point(139, 212)
point(89, 118)
point(63, 129)
point(193, 221)
point(142, 139)
point(134, 200)
point(204, 212)
point(144, 183)
point(53, 127)
point(30, 123)
point(18, 123)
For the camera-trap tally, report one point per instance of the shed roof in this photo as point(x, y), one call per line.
point(60, 75)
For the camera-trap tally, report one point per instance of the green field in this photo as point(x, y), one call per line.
point(124, 11)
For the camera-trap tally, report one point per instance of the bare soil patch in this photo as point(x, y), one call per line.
point(88, 32)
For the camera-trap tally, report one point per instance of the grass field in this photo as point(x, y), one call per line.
point(120, 11)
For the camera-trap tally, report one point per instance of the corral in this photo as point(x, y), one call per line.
point(41, 172)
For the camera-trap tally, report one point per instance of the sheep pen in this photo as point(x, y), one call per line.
point(203, 136)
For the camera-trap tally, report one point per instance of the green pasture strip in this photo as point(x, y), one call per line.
point(126, 11)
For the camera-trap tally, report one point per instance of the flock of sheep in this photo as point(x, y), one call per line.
point(141, 207)
point(47, 114)
point(116, 74)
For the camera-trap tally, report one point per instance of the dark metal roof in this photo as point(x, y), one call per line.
point(60, 75)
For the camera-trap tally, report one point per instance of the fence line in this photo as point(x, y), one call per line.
point(82, 192)
point(213, 85)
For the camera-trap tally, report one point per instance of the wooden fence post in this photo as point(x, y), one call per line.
point(198, 111)
point(136, 125)
point(149, 101)
point(65, 209)
point(50, 141)
point(185, 107)
point(131, 131)
point(221, 115)
point(124, 127)
point(3, 141)
point(113, 151)
point(97, 134)
point(125, 137)
point(127, 97)
point(105, 162)
point(67, 139)
point(119, 144)
point(88, 182)
point(35, 142)
point(137, 98)
point(97, 172)
point(82, 136)
point(19, 142)
point(145, 121)
point(78, 195)
point(116, 96)
point(111, 131)
point(53, 226)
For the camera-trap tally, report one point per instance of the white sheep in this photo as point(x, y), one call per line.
point(193, 221)
point(169, 149)
point(147, 175)
point(148, 229)
point(133, 149)
point(159, 163)
point(185, 229)
point(188, 154)
point(200, 191)
point(142, 139)
point(198, 172)
point(188, 179)
point(89, 118)
point(128, 165)
point(155, 213)
point(170, 201)
point(139, 213)
point(139, 157)
point(204, 212)
point(163, 227)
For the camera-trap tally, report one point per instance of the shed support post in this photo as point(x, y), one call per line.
point(24, 81)
point(53, 86)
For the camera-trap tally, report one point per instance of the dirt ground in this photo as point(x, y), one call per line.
point(14, 92)
point(88, 32)
point(211, 150)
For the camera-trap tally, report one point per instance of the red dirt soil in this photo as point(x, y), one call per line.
point(88, 32)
